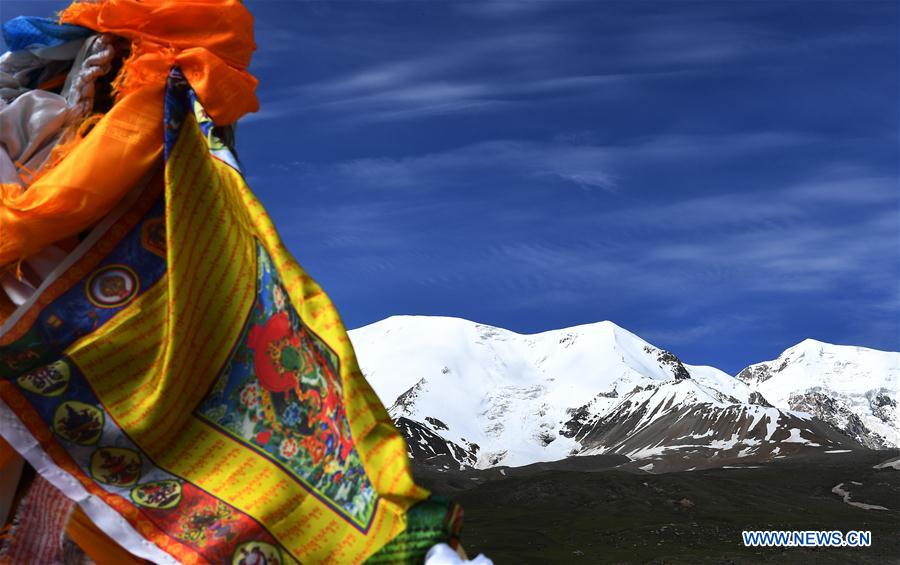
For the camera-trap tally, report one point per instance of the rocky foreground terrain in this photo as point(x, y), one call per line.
point(585, 512)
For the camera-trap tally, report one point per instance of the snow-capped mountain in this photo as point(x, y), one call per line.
point(854, 389)
point(479, 396)
point(680, 425)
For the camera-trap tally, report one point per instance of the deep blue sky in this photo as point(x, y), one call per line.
point(720, 178)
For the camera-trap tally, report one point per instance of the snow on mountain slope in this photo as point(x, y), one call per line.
point(685, 424)
point(720, 381)
point(732, 389)
point(475, 395)
point(505, 392)
point(854, 389)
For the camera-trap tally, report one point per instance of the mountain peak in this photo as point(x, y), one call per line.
point(483, 395)
point(810, 344)
point(421, 319)
point(853, 388)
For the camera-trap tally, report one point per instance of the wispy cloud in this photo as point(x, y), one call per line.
point(398, 92)
point(783, 239)
point(703, 331)
point(506, 67)
point(502, 161)
point(486, 74)
point(691, 172)
point(502, 9)
point(568, 161)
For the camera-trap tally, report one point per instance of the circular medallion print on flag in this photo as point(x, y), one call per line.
point(112, 286)
point(158, 494)
point(116, 466)
point(257, 553)
point(78, 422)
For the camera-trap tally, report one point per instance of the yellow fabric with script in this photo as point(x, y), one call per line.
point(155, 361)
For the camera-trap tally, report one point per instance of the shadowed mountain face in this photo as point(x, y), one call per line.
point(673, 436)
point(429, 448)
point(467, 395)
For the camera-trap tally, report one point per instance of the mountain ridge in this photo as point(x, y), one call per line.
point(839, 384)
point(474, 395)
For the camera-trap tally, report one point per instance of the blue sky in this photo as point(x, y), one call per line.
point(720, 178)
